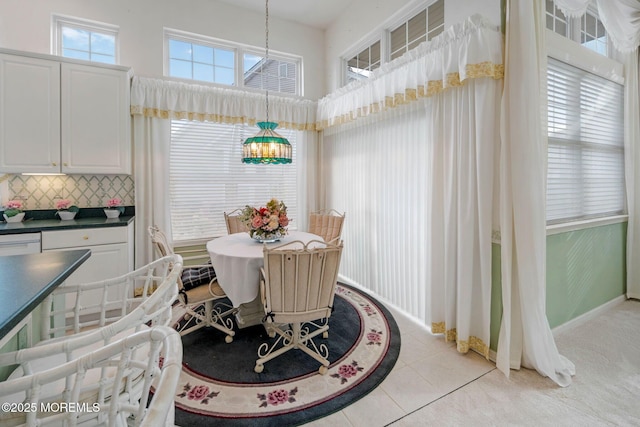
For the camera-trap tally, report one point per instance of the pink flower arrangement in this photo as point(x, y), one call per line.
point(114, 203)
point(63, 204)
point(270, 220)
point(14, 204)
point(13, 208)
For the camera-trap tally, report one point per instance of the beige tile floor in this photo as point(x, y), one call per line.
point(433, 385)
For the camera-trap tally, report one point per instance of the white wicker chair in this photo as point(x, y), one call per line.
point(297, 291)
point(327, 224)
point(66, 311)
point(234, 224)
point(204, 305)
point(111, 385)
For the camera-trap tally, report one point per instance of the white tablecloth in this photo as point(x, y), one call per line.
point(237, 259)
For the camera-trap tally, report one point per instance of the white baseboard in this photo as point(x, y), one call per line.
point(588, 315)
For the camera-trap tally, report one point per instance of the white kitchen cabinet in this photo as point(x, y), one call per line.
point(29, 115)
point(63, 116)
point(111, 254)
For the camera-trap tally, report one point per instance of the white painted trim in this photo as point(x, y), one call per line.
point(588, 315)
point(587, 223)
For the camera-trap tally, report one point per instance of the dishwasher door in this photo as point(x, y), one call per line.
point(19, 244)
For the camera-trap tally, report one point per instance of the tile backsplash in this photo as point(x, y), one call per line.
point(85, 191)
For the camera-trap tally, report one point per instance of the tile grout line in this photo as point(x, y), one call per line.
point(441, 397)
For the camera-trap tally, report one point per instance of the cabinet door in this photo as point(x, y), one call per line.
point(95, 120)
point(105, 262)
point(29, 115)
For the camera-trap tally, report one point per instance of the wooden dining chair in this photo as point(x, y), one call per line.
point(203, 300)
point(234, 223)
point(297, 291)
point(327, 224)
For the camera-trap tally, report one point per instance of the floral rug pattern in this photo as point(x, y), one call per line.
point(207, 396)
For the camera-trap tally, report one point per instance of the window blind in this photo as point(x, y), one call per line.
point(585, 176)
point(207, 178)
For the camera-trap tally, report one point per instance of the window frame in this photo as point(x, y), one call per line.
point(382, 35)
point(58, 22)
point(574, 27)
point(566, 50)
point(239, 51)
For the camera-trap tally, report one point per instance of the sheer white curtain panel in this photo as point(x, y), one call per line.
point(525, 336)
point(151, 145)
point(632, 169)
point(417, 180)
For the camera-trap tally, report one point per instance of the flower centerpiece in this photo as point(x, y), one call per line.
point(66, 210)
point(13, 211)
point(266, 224)
point(114, 208)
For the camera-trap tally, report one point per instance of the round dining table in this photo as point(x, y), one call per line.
point(237, 260)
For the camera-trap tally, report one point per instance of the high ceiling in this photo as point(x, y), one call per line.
point(315, 13)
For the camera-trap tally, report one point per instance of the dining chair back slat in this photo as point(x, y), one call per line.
point(234, 223)
point(327, 224)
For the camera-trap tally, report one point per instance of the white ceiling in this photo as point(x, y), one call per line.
point(315, 13)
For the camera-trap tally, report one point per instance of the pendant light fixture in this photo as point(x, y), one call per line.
point(267, 146)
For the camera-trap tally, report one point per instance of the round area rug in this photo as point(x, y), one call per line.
point(218, 385)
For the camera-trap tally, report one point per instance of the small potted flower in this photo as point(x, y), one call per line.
point(13, 211)
point(114, 208)
point(66, 210)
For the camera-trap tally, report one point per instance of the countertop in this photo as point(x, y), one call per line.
point(36, 221)
point(35, 276)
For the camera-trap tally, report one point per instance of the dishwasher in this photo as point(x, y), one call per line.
point(19, 244)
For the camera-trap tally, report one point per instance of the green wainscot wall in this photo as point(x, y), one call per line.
point(585, 269)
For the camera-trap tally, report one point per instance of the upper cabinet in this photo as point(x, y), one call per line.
point(59, 116)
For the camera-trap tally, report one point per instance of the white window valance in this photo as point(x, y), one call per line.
point(471, 49)
point(621, 19)
point(167, 99)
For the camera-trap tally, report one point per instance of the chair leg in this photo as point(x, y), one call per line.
point(299, 338)
point(220, 320)
point(213, 316)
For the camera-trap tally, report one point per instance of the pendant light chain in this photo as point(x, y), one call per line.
point(266, 52)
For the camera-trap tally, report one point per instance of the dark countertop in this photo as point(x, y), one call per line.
point(36, 221)
point(35, 276)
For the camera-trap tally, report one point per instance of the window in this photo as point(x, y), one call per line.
point(592, 33)
point(585, 177)
point(82, 39)
point(207, 178)
point(276, 75)
point(360, 66)
point(587, 30)
point(556, 21)
point(197, 62)
point(195, 57)
point(420, 27)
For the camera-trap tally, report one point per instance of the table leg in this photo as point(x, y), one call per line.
point(250, 313)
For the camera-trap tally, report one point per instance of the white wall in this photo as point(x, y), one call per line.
point(25, 25)
point(363, 17)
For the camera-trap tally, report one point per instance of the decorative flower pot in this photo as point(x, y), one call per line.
point(16, 218)
point(112, 213)
point(268, 238)
point(66, 215)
